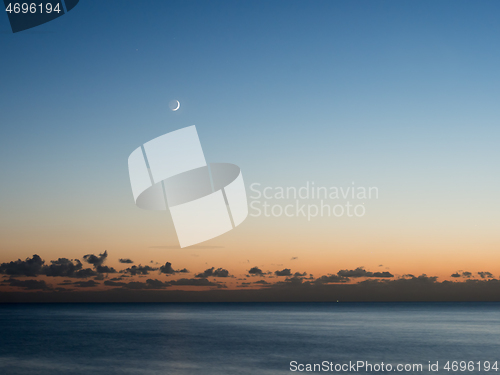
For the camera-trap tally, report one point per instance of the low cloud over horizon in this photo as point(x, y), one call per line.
point(35, 280)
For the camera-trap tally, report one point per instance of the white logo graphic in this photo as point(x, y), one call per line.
point(205, 200)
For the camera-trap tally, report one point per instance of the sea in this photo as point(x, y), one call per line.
point(249, 338)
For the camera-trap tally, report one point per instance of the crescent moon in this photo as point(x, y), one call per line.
point(178, 106)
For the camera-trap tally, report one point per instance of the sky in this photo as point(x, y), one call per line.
point(401, 96)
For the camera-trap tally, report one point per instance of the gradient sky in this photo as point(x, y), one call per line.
point(398, 95)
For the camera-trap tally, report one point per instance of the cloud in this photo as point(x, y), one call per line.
point(487, 275)
point(62, 267)
point(380, 286)
point(361, 272)
point(149, 284)
point(30, 284)
point(212, 272)
point(335, 287)
point(467, 274)
point(327, 279)
point(381, 274)
point(283, 272)
point(263, 282)
point(256, 271)
point(140, 285)
point(28, 267)
point(125, 260)
point(84, 273)
point(97, 262)
point(158, 284)
point(35, 266)
point(167, 269)
point(193, 282)
point(114, 282)
point(139, 270)
point(423, 279)
point(105, 269)
point(293, 289)
point(85, 284)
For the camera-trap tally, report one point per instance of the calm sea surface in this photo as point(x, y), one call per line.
point(242, 338)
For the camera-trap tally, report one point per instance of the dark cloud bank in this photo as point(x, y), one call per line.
point(212, 272)
point(282, 285)
point(421, 288)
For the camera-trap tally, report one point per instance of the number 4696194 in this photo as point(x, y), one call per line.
point(32, 8)
point(471, 366)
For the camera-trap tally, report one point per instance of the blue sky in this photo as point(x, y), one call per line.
point(401, 95)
